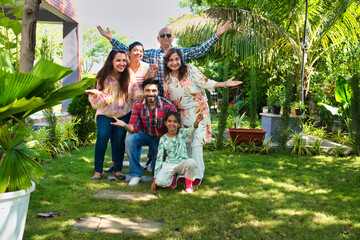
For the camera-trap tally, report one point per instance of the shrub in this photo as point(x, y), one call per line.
point(81, 109)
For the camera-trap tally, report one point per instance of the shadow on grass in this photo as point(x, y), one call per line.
point(243, 197)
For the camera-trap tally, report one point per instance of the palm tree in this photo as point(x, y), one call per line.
point(274, 29)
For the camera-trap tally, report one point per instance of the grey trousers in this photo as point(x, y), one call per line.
point(165, 176)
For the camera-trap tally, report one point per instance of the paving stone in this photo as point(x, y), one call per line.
point(120, 195)
point(143, 155)
point(126, 163)
point(87, 224)
point(145, 178)
point(110, 224)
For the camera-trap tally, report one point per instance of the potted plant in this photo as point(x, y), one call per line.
point(250, 135)
point(265, 109)
point(21, 95)
point(275, 98)
point(298, 107)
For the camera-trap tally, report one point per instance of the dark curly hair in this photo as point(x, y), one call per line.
point(183, 68)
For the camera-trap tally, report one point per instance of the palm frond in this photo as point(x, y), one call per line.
point(63, 93)
point(249, 33)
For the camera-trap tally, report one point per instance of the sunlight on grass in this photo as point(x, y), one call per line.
point(286, 186)
point(256, 223)
point(321, 218)
point(239, 194)
point(193, 229)
point(321, 191)
point(243, 196)
point(86, 159)
point(244, 175)
point(209, 193)
point(215, 178)
point(317, 217)
point(290, 212)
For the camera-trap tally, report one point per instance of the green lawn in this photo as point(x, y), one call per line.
point(244, 196)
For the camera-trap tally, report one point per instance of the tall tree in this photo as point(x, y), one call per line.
point(28, 35)
point(95, 47)
point(274, 28)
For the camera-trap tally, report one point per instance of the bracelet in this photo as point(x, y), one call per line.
point(225, 83)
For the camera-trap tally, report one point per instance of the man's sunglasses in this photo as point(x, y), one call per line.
point(168, 35)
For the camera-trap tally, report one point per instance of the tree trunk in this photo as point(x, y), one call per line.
point(28, 35)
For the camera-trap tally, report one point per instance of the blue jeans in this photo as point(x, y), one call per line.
point(134, 143)
point(106, 131)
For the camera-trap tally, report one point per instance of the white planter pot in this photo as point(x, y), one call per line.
point(13, 210)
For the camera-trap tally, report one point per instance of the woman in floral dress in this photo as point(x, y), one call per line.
point(185, 86)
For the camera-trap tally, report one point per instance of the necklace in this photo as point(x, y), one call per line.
point(136, 67)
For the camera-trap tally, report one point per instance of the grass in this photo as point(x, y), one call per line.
point(244, 196)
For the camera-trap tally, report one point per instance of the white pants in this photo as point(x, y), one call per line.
point(166, 174)
point(196, 153)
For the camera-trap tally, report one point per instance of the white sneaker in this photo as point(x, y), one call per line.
point(134, 181)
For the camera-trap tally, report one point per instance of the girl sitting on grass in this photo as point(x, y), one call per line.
point(172, 146)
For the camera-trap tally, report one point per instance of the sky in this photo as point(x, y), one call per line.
point(138, 20)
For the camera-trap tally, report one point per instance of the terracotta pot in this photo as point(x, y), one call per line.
point(246, 136)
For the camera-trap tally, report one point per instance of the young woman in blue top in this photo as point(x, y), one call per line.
point(172, 158)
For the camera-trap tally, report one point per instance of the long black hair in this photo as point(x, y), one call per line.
point(108, 68)
point(183, 68)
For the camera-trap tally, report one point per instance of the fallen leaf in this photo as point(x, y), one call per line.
point(350, 225)
point(346, 231)
point(283, 234)
point(343, 179)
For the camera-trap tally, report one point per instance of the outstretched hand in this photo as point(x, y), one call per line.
point(231, 83)
point(222, 28)
point(104, 33)
point(118, 122)
point(92, 92)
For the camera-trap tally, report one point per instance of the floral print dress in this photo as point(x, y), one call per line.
point(189, 97)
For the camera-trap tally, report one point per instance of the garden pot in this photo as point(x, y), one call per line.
point(246, 136)
point(276, 109)
point(265, 110)
point(298, 111)
point(13, 210)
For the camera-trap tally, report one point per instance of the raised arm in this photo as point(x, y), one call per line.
point(115, 43)
point(199, 51)
point(105, 33)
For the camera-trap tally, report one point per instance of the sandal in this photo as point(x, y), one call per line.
point(120, 176)
point(97, 177)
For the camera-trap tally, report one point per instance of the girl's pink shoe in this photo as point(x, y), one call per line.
point(189, 187)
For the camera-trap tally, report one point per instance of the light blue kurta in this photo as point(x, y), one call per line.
point(174, 147)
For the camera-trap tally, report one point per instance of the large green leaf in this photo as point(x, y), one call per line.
point(64, 93)
point(5, 63)
point(342, 90)
point(19, 106)
point(18, 166)
point(50, 72)
point(15, 86)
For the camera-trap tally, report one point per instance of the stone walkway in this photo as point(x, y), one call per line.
point(110, 224)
